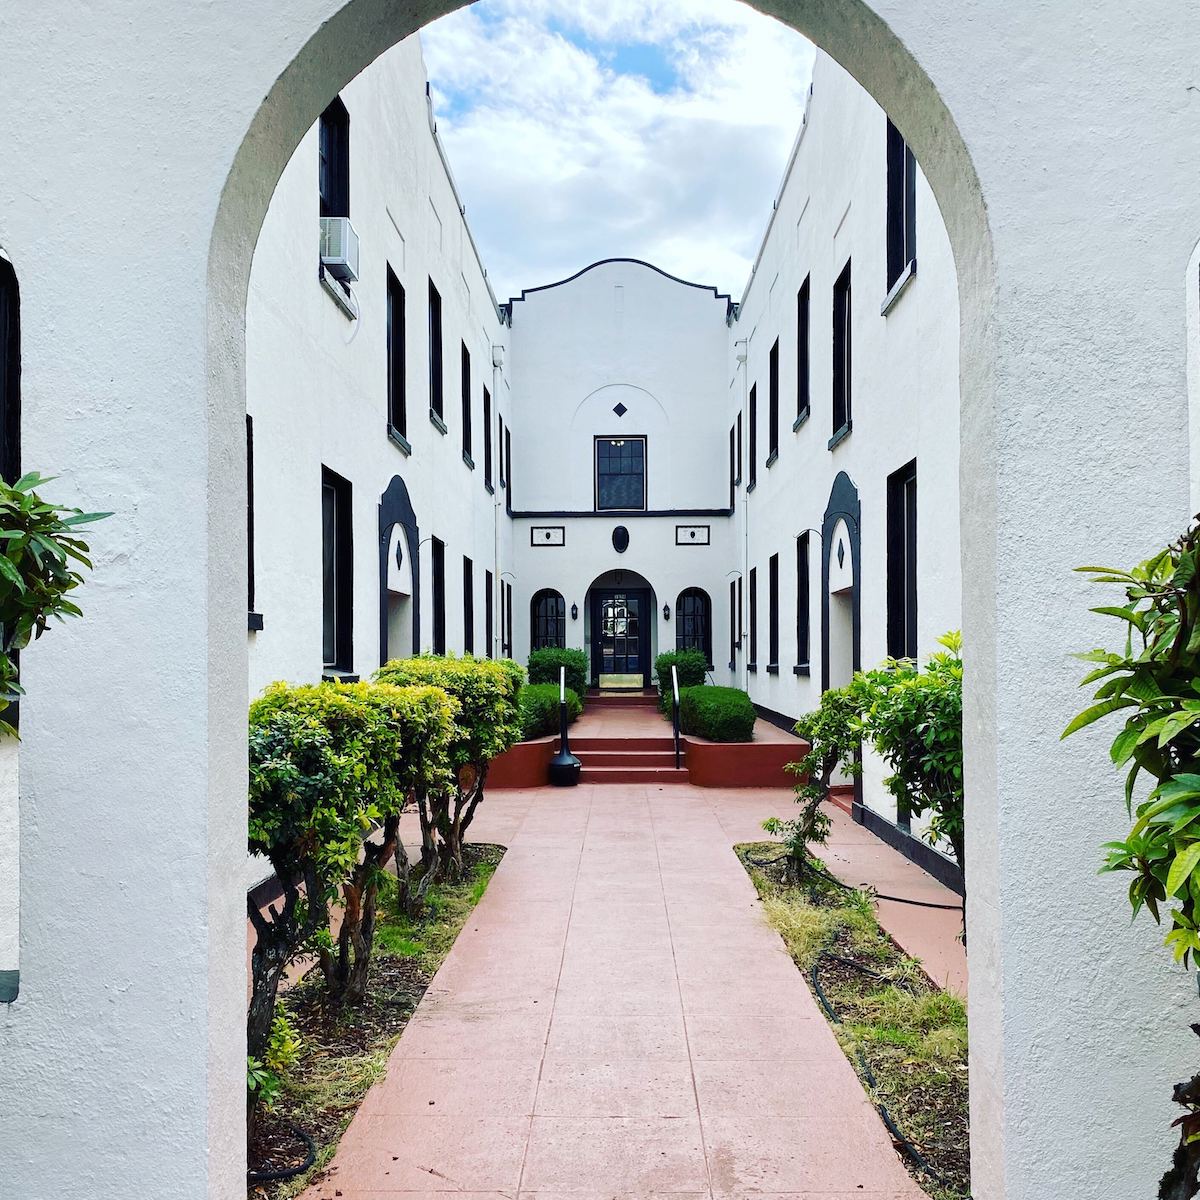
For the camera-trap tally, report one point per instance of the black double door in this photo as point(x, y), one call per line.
point(621, 638)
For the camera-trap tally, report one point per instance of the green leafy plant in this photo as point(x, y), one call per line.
point(264, 1078)
point(544, 666)
point(721, 714)
point(1153, 681)
point(487, 721)
point(40, 565)
point(539, 709)
point(912, 716)
point(690, 665)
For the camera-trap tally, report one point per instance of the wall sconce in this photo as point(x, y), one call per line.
point(666, 612)
point(574, 612)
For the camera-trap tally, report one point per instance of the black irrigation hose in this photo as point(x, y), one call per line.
point(905, 1146)
point(846, 887)
point(287, 1172)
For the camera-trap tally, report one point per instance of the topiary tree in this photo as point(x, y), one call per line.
point(1153, 680)
point(40, 557)
point(544, 666)
point(690, 665)
point(486, 723)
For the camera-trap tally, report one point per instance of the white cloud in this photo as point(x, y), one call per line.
point(655, 129)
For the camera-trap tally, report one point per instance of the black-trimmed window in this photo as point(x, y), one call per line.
point(396, 353)
point(547, 620)
point(752, 665)
point(249, 498)
point(841, 355)
point(741, 629)
point(500, 446)
point(902, 562)
point(489, 613)
point(620, 474)
point(773, 404)
point(10, 374)
point(901, 206)
point(803, 602)
point(487, 438)
point(337, 572)
point(506, 620)
point(437, 554)
point(333, 155)
point(739, 449)
point(733, 622)
point(693, 622)
point(773, 614)
point(732, 465)
point(508, 467)
point(468, 606)
point(436, 381)
point(753, 436)
point(465, 375)
point(803, 359)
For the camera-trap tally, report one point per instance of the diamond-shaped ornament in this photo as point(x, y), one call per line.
point(841, 552)
point(620, 409)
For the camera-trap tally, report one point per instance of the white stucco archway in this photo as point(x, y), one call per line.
point(123, 1058)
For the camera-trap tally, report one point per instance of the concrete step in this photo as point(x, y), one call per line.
point(636, 700)
point(627, 758)
point(622, 743)
point(632, 775)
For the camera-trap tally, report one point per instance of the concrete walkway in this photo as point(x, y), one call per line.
point(617, 1019)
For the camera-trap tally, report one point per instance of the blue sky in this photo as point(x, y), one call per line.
point(655, 129)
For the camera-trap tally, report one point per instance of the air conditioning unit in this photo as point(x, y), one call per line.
point(339, 248)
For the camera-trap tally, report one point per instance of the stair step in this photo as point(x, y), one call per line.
point(621, 743)
point(627, 758)
point(632, 775)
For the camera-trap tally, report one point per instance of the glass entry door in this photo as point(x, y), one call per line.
point(620, 639)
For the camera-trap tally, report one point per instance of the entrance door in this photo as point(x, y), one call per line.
point(620, 639)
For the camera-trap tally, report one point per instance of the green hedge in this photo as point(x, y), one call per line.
point(691, 666)
point(539, 709)
point(721, 714)
point(544, 665)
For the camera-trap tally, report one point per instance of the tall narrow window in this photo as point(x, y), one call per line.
point(732, 465)
point(508, 467)
point(333, 155)
point(507, 620)
point(733, 623)
point(396, 383)
point(435, 357)
point(466, 407)
point(337, 572)
point(802, 604)
point(841, 356)
point(753, 437)
point(901, 206)
point(547, 620)
point(741, 629)
point(753, 663)
point(693, 622)
point(902, 562)
point(249, 516)
point(773, 406)
point(739, 449)
point(803, 368)
point(487, 438)
point(10, 374)
point(468, 606)
point(773, 615)
point(437, 552)
point(620, 474)
point(489, 617)
point(500, 435)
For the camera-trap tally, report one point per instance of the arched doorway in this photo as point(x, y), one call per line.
point(399, 574)
point(621, 630)
point(841, 556)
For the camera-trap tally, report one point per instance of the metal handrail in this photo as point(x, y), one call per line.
point(675, 711)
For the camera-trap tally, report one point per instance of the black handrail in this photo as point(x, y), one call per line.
point(675, 712)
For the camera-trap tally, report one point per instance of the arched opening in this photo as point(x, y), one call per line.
point(399, 574)
point(621, 630)
point(693, 622)
point(547, 620)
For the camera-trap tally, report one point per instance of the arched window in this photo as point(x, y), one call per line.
point(693, 622)
point(547, 620)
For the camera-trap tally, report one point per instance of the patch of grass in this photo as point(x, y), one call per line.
point(346, 1050)
point(912, 1035)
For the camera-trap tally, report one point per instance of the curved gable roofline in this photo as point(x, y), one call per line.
point(604, 262)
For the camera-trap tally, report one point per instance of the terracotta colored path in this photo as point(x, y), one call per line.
point(617, 1019)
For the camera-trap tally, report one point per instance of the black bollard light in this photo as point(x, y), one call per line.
point(564, 766)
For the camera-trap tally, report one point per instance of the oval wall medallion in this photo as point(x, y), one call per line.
point(620, 539)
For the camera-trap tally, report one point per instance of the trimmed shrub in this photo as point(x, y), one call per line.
point(690, 665)
point(539, 709)
point(544, 666)
point(721, 714)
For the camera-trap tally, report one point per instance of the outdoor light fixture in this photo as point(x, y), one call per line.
point(666, 612)
point(574, 612)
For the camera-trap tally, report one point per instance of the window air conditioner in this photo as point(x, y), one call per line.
point(339, 248)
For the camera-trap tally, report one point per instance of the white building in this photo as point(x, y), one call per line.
point(436, 471)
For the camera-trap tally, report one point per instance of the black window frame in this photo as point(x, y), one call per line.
point(803, 605)
point(489, 612)
point(733, 623)
point(487, 439)
point(803, 352)
point(752, 663)
point(753, 447)
point(337, 572)
point(773, 404)
point(10, 373)
point(465, 381)
point(773, 614)
point(468, 606)
point(597, 442)
point(544, 623)
point(506, 620)
point(843, 360)
point(333, 159)
point(437, 575)
point(437, 380)
point(694, 605)
point(508, 463)
point(397, 356)
point(739, 449)
point(250, 581)
point(901, 207)
point(902, 551)
point(732, 465)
